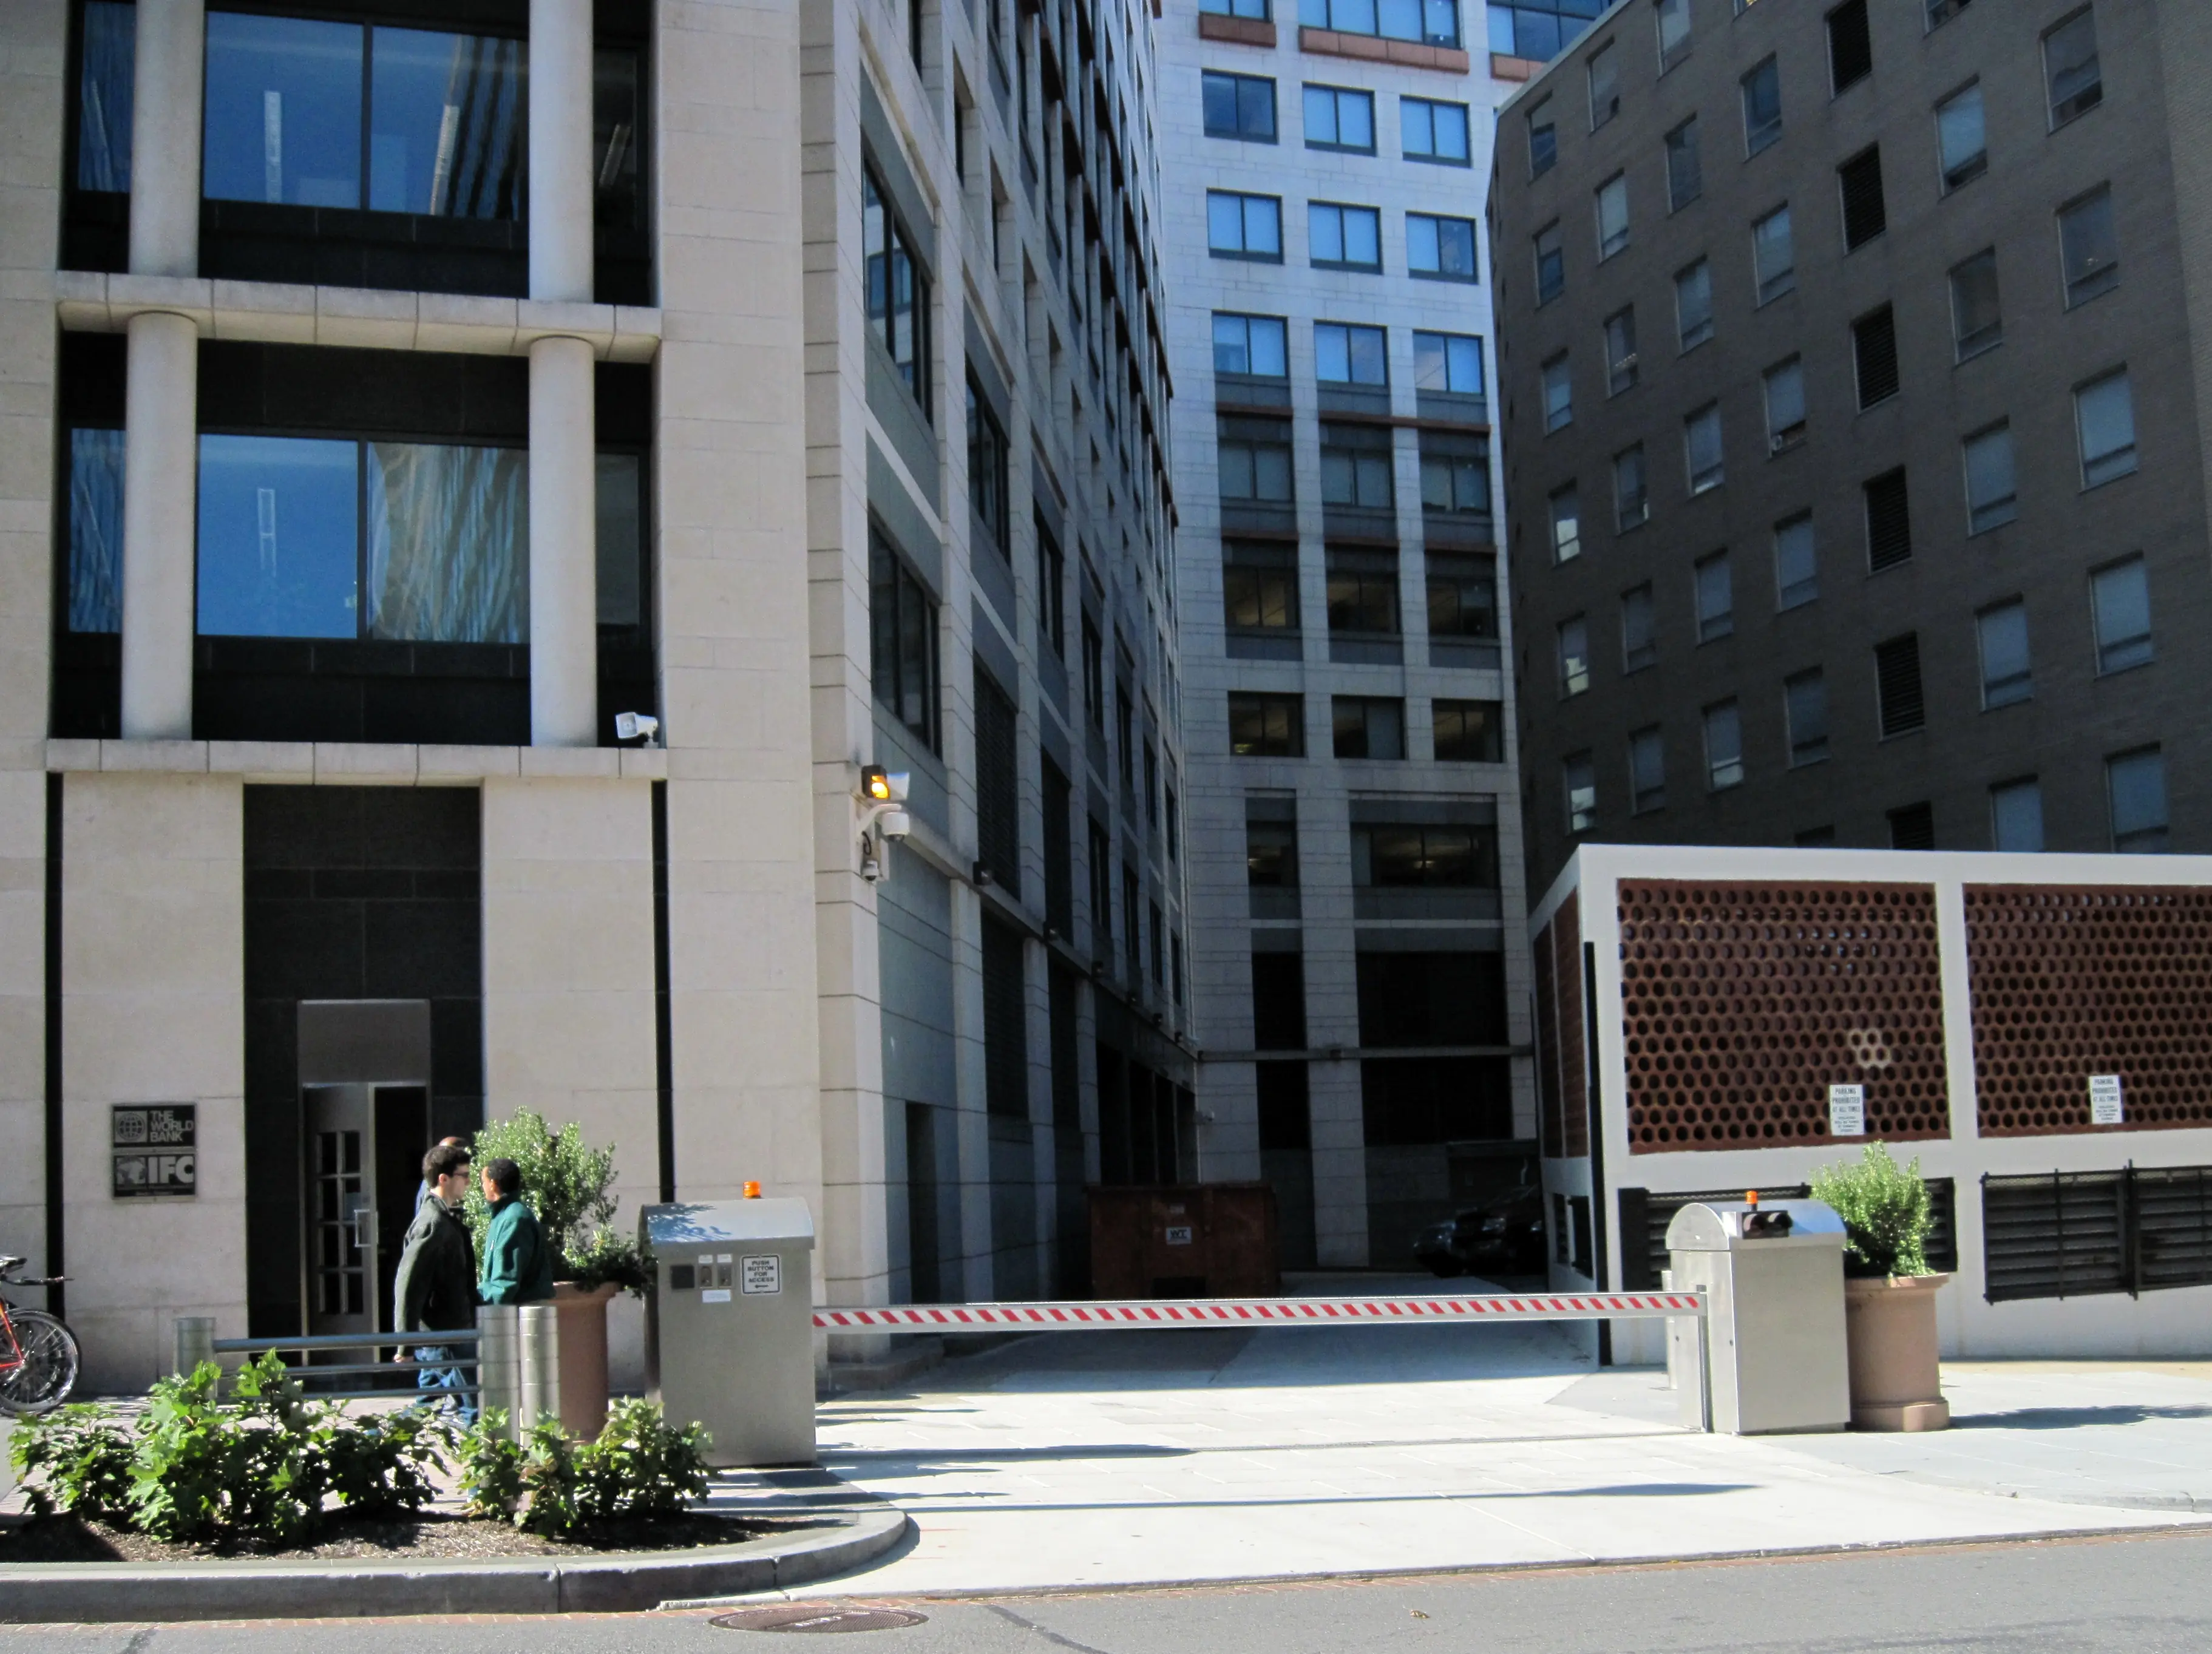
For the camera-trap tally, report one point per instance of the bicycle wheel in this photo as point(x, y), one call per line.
point(47, 1373)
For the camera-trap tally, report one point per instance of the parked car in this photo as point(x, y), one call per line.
point(1504, 1234)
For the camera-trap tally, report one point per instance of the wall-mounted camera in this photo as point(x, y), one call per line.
point(877, 798)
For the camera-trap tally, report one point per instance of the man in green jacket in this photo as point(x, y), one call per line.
point(518, 1265)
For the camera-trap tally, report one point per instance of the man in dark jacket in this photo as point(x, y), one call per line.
point(435, 1290)
point(518, 1265)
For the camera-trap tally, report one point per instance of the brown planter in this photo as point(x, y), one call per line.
point(583, 1313)
point(1896, 1377)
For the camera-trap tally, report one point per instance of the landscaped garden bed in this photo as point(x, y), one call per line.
point(430, 1537)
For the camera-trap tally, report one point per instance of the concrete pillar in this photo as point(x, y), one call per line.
point(564, 665)
point(560, 149)
point(165, 138)
point(160, 517)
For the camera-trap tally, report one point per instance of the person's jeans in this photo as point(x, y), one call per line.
point(430, 1381)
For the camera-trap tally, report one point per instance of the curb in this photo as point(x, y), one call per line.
point(40, 1592)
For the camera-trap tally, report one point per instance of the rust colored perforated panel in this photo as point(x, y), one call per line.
point(1741, 1004)
point(1574, 1075)
point(2069, 982)
point(1547, 1044)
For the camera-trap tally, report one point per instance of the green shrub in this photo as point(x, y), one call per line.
point(73, 1459)
point(639, 1469)
point(568, 1186)
point(379, 1468)
point(1884, 1211)
point(490, 1467)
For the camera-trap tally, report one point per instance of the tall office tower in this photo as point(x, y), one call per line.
point(1854, 364)
point(398, 395)
point(1359, 972)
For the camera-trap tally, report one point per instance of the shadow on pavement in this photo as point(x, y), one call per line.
point(2069, 1418)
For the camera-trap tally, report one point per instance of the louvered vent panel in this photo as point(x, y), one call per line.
point(2056, 1234)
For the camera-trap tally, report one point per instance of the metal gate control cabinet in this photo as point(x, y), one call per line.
point(1774, 1323)
point(729, 1325)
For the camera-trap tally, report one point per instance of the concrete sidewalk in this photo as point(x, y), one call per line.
point(1093, 1459)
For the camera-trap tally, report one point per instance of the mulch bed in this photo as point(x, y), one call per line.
point(431, 1536)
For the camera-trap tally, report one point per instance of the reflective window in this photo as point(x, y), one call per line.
point(1543, 134)
point(1604, 85)
point(1672, 18)
point(2001, 636)
point(1685, 178)
point(2120, 602)
point(2069, 62)
point(1565, 508)
point(1267, 725)
point(1620, 366)
point(1551, 264)
point(1447, 362)
point(1574, 657)
point(1238, 105)
point(1805, 710)
point(1244, 226)
point(1428, 130)
point(104, 96)
point(1785, 405)
point(1612, 216)
point(1467, 732)
point(1631, 504)
point(1356, 466)
point(1250, 345)
point(1363, 591)
point(1256, 460)
point(1539, 30)
point(1579, 784)
point(1762, 107)
point(1367, 727)
point(1724, 747)
point(2016, 816)
point(897, 288)
point(1260, 586)
point(1992, 497)
point(1455, 474)
point(1337, 118)
point(95, 530)
point(1702, 449)
point(1773, 255)
point(1713, 586)
point(1639, 629)
point(1559, 394)
point(1344, 237)
point(1433, 22)
point(1977, 321)
point(903, 655)
point(1348, 355)
point(1796, 561)
point(1462, 596)
point(1442, 249)
point(279, 546)
point(2135, 786)
point(2088, 247)
point(282, 110)
point(2104, 418)
point(1961, 143)
point(1647, 770)
point(1693, 305)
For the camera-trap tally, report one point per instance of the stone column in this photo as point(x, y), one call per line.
point(563, 552)
point(160, 517)
point(165, 138)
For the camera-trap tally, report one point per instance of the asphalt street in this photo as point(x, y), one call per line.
point(2145, 1593)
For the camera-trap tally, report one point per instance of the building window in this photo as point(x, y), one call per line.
point(1612, 216)
point(2088, 247)
point(1604, 85)
point(898, 290)
point(1337, 118)
point(1620, 352)
point(1774, 256)
point(1455, 474)
point(1537, 30)
point(1094, 675)
point(2119, 600)
point(1559, 393)
point(1543, 139)
point(1631, 504)
point(1447, 362)
point(1574, 657)
point(1051, 591)
point(1369, 726)
point(1250, 345)
point(1941, 12)
point(2105, 420)
point(1805, 712)
point(1271, 851)
point(1912, 827)
point(1567, 515)
point(903, 652)
point(1851, 46)
point(1267, 725)
point(1962, 148)
point(1976, 322)
point(1712, 583)
point(1356, 466)
point(1796, 563)
point(1693, 305)
point(1673, 20)
point(1686, 179)
point(1858, 181)
point(987, 471)
point(1785, 406)
point(1425, 856)
point(1762, 107)
point(1348, 355)
point(1257, 10)
point(1874, 353)
point(1647, 770)
point(1238, 106)
point(1551, 264)
point(1256, 460)
point(105, 87)
point(1462, 591)
point(1441, 249)
point(1579, 784)
point(1888, 520)
point(2001, 636)
point(2070, 67)
point(1260, 586)
point(2017, 815)
point(1991, 498)
point(1468, 731)
point(1340, 237)
point(1897, 685)
point(1244, 225)
point(1363, 592)
point(1102, 894)
point(1159, 961)
point(1132, 901)
point(998, 784)
point(1639, 629)
point(2135, 788)
point(1428, 130)
point(1724, 747)
point(1432, 22)
point(1702, 452)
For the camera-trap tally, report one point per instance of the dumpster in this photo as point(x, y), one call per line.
point(1186, 1240)
point(1774, 1322)
point(729, 1325)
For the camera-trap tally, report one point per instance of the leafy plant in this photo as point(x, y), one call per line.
point(1884, 1211)
point(549, 1477)
point(73, 1459)
point(639, 1469)
point(568, 1185)
point(379, 1468)
point(490, 1467)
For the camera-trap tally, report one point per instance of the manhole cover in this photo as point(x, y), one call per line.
point(794, 1616)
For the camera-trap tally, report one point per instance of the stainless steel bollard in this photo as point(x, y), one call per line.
point(541, 1365)
point(499, 1361)
point(195, 1343)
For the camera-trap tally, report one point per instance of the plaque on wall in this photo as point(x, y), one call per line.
point(155, 1148)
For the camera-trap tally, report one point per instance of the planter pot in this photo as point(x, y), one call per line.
point(1896, 1378)
point(583, 1312)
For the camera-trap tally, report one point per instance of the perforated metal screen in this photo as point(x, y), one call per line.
point(1741, 1004)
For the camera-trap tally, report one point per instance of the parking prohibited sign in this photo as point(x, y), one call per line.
point(2104, 1100)
point(1846, 1110)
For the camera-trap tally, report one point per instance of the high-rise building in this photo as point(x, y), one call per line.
point(1854, 366)
point(1358, 964)
point(399, 394)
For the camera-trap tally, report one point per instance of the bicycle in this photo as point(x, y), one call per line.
point(39, 1357)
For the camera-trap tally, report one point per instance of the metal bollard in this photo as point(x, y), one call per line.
point(499, 1364)
point(540, 1394)
point(195, 1343)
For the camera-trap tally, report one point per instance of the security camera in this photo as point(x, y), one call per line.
point(635, 725)
point(894, 823)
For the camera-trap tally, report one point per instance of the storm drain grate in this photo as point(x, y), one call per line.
point(805, 1616)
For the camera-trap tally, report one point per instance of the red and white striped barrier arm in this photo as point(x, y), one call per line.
point(1081, 1316)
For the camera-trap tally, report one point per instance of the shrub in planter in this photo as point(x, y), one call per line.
point(568, 1184)
point(1889, 1293)
point(1884, 1211)
point(73, 1460)
point(639, 1468)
